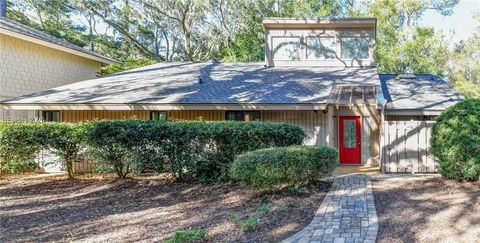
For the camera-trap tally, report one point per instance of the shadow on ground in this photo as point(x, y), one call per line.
point(427, 210)
point(132, 210)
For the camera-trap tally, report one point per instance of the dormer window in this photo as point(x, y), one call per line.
point(286, 48)
point(320, 48)
point(354, 48)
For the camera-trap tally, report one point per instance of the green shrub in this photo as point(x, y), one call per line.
point(188, 236)
point(21, 142)
point(263, 209)
point(250, 224)
point(272, 168)
point(19, 167)
point(455, 141)
point(200, 149)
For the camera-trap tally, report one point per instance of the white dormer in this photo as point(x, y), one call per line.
point(323, 42)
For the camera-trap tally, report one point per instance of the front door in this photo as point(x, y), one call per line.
point(349, 128)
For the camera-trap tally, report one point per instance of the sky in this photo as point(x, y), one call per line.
point(458, 26)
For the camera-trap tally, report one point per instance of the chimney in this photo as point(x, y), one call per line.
point(3, 8)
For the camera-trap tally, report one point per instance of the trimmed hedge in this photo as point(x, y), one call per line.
point(456, 141)
point(195, 149)
point(295, 166)
point(21, 142)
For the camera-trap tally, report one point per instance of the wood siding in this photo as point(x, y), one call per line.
point(405, 147)
point(74, 116)
point(314, 123)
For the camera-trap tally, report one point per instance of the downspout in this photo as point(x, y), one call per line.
point(3, 8)
point(381, 102)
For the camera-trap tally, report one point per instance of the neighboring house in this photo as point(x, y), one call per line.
point(32, 61)
point(319, 74)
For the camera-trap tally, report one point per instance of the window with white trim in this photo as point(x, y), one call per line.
point(243, 115)
point(286, 48)
point(320, 48)
point(354, 47)
point(51, 116)
point(158, 115)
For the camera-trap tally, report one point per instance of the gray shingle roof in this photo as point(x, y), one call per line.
point(425, 92)
point(31, 32)
point(222, 83)
point(243, 83)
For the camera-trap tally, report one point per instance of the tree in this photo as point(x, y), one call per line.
point(464, 66)
point(402, 46)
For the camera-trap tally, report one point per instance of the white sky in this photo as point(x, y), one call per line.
point(459, 26)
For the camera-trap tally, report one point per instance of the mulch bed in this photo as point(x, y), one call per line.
point(148, 208)
point(427, 210)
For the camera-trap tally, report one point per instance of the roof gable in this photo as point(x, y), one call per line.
point(24, 32)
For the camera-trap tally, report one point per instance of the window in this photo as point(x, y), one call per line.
point(320, 48)
point(243, 115)
point(286, 48)
point(51, 116)
point(349, 134)
point(158, 115)
point(354, 47)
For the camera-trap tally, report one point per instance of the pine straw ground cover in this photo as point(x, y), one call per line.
point(427, 210)
point(148, 208)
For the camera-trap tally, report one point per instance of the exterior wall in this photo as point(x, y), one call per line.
point(406, 147)
point(304, 33)
point(315, 123)
point(26, 67)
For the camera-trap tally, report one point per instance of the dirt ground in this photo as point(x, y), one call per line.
point(427, 210)
point(144, 208)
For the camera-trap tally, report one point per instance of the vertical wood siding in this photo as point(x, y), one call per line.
point(405, 147)
point(313, 122)
point(74, 116)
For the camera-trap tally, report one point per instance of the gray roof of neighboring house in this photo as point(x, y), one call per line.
point(31, 32)
point(418, 92)
point(222, 83)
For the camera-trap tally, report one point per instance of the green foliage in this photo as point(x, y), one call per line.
point(20, 142)
point(129, 63)
point(455, 141)
point(250, 224)
point(188, 236)
point(464, 68)
point(18, 167)
point(263, 209)
point(202, 150)
point(271, 168)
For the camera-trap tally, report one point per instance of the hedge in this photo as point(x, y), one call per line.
point(272, 168)
point(195, 149)
point(456, 141)
point(21, 142)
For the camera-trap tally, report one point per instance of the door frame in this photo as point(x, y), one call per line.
point(358, 125)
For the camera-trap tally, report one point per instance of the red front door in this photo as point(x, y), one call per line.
point(349, 127)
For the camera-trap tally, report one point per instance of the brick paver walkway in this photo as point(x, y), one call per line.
point(347, 214)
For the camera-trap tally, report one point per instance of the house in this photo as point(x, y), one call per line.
point(318, 73)
point(32, 61)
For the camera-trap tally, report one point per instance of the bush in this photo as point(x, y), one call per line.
point(455, 141)
point(269, 169)
point(200, 149)
point(188, 236)
point(21, 142)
